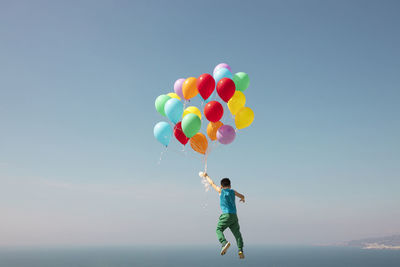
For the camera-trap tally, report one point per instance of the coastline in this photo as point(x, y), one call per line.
point(380, 246)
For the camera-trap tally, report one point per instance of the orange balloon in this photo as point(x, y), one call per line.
point(212, 129)
point(189, 88)
point(199, 143)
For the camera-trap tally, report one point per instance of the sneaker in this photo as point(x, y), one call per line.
point(241, 254)
point(225, 248)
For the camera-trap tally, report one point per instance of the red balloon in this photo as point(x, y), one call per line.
point(226, 89)
point(213, 111)
point(205, 85)
point(179, 135)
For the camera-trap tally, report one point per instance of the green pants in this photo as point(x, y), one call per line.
point(229, 220)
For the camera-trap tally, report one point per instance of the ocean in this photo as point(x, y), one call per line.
point(172, 256)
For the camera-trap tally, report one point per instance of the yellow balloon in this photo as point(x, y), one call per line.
point(189, 88)
point(173, 95)
point(244, 118)
point(237, 102)
point(192, 109)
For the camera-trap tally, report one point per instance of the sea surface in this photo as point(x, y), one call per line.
point(172, 256)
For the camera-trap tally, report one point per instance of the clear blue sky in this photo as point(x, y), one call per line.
point(78, 160)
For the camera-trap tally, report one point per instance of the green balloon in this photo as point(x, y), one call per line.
point(241, 81)
point(160, 103)
point(191, 124)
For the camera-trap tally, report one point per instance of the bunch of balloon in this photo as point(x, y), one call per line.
point(230, 88)
point(187, 121)
point(244, 116)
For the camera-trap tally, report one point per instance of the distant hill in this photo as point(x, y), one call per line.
point(386, 242)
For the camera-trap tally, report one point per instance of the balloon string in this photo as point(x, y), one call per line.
point(183, 152)
point(214, 145)
point(161, 155)
point(205, 162)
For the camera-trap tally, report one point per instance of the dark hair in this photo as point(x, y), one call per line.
point(225, 182)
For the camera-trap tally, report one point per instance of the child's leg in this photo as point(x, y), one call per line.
point(235, 228)
point(223, 223)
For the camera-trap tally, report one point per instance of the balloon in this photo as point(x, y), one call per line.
point(173, 95)
point(189, 88)
point(205, 85)
point(160, 103)
point(222, 73)
point(174, 110)
point(221, 65)
point(244, 118)
point(179, 135)
point(199, 143)
point(178, 87)
point(163, 132)
point(241, 80)
point(212, 129)
point(213, 111)
point(237, 102)
point(225, 89)
point(192, 109)
point(226, 134)
point(191, 124)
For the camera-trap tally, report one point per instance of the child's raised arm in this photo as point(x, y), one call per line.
point(211, 182)
point(239, 196)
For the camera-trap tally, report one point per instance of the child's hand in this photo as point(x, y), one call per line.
point(242, 199)
point(203, 174)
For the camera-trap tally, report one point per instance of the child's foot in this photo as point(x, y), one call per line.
point(225, 247)
point(241, 254)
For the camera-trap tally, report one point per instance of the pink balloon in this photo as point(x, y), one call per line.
point(226, 134)
point(221, 65)
point(178, 87)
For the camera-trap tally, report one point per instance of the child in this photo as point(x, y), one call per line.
point(228, 217)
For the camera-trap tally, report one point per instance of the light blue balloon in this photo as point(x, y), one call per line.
point(174, 110)
point(222, 73)
point(163, 132)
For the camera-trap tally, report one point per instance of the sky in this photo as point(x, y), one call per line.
point(79, 164)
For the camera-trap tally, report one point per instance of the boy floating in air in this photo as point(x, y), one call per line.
point(228, 217)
